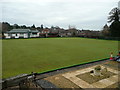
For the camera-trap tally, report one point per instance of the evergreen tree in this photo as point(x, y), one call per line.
point(41, 27)
point(23, 27)
point(114, 18)
point(33, 26)
point(5, 26)
point(16, 26)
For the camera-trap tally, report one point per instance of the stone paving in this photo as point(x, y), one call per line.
point(72, 76)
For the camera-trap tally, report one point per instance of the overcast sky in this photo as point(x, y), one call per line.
point(83, 14)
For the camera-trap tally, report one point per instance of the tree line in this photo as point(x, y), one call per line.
point(112, 31)
point(5, 26)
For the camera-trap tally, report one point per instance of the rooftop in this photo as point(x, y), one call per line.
point(21, 31)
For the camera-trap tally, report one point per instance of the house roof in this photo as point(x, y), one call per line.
point(22, 31)
point(19, 31)
point(34, 31)
point(46, 30)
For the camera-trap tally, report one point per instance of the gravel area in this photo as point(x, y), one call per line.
point(46, 84)
point(61, 82)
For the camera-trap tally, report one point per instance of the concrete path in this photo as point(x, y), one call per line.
point(72, 76)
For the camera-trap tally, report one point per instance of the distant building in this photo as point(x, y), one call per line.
point(71, 32)
point(34, 33)
point(44, 33)
point(106, 27)
point(52, 32)
point(105, 31)
point(21, 33)
point(56, 32)
point(88, 33)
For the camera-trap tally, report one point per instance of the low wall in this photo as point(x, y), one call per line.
point(13, 81)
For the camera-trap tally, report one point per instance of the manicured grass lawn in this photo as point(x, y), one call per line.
point(43, 54)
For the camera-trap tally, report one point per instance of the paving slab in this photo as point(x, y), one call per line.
point(98, 85)
point(72, 76)
point(114, 78)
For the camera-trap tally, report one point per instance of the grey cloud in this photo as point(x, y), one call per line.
point(80, 14)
